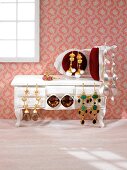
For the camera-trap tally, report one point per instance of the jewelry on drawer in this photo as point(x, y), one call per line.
point(25, 105)
point(35, 115)
point(90, 104)
point(25, 100)
point(54, 101)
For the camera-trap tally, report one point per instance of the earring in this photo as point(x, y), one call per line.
point(71, 70)
point(35, 115)
point(25, 105)
point(83, 109)
point(95, 106)
point(79, 62)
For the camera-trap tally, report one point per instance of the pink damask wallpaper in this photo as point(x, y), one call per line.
point(79, 24)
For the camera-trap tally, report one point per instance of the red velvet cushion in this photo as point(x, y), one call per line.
point(94, 63)
point(66, 61)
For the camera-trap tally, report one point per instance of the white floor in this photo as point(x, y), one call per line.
point(63, 145)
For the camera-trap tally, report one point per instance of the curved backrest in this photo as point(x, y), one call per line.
point(94, 63)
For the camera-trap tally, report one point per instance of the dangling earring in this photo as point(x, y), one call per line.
point(95, 106)
point(71, 70)
point(25, 105)
point(79, 62)
point(83, 109)
point(36, 106)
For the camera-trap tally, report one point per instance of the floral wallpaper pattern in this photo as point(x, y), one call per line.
point(78, 24)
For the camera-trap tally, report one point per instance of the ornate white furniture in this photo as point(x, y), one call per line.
point(33, 92)
point(59, 87)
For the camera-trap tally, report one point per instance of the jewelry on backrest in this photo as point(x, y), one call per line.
point(79, 62)
point(71, 69)
point(95, 108)
point(83, 110)
point(36, 106)
point(25, 105)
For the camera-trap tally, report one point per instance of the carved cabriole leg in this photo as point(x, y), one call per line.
point(100, 117)
point(19, 116)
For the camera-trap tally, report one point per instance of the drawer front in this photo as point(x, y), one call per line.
point(102, 104)
point(31, 102)
point(19, 91)
point(60, 90)
point(88, 90)
point(62, 103)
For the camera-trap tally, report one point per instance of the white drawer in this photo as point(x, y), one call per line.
point(102, 104)
point(60, 106)
point(88, 90)
point(19, 91)
point(31, 102)
point(61, 90)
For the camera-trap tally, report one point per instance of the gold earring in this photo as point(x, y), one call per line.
point(95, 109)
point(35, 115)
point(83, 110)
point(71, 70)
point(79, 62)
point(25, 105)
